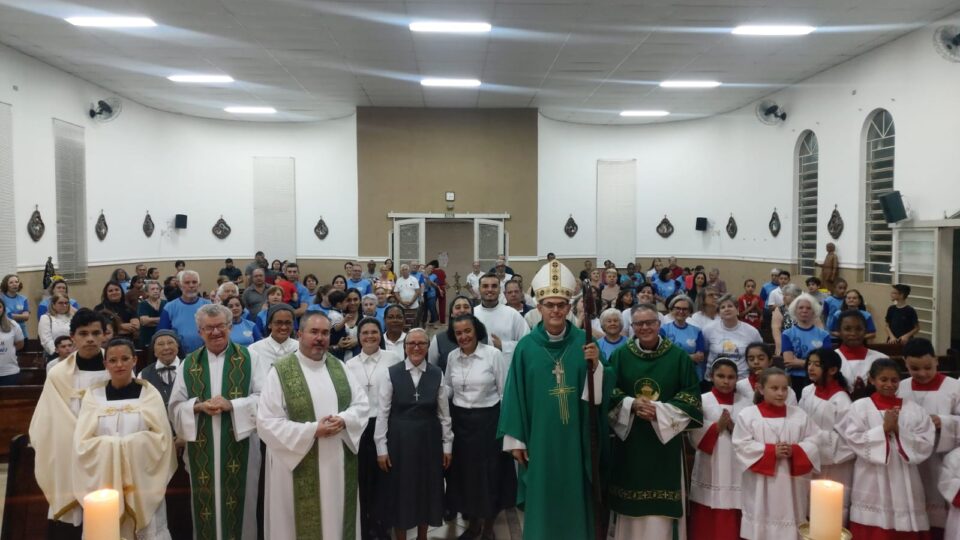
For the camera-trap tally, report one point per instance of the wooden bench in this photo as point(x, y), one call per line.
point(17, 404)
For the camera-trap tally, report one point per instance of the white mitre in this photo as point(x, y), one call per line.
point(554, 280)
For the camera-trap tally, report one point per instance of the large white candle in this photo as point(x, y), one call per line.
point(826, 509)
point(101, 515)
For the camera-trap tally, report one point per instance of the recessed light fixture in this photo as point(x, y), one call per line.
point(250, 110)
point(450, 83)
point(452, 27)
point(201, 78)
point(689, 84)
point(772, 30)
point(112, 22)
point(644, 113)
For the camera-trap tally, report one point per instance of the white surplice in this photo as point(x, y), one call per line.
point(504, 322)
point(836, 458)
point(858, 369)
point(270, 350)
point(949, 486)
point(288, 442)
point(715, 480)
point(945, 403)
point(244, 419)
point(774, 506)
point(887, 490)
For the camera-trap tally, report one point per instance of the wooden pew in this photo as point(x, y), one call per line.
point(25, 508)
point(17, 404)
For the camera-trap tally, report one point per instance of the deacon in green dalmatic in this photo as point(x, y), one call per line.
point(656, 398)
point(545, 415)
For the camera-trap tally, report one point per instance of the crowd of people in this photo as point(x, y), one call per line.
point(367, 422)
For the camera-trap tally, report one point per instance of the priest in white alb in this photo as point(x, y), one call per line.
point(312, 414)
point(505, 326)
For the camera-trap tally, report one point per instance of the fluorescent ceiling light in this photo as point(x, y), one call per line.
point(201, 78)
point(689, 84)
point(772, 30)
point(250, 110)
point(451, 83)
point(112, 22)
point(644, 113)
point(456, 27)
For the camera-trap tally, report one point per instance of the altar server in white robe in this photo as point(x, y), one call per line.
point(949, 484)
point(280, 342)
point(939, 395)
point(759, 357)
point(715, 481)
point(826, 401)
point(312, 414)
point(853, 351)
point(505, 326)
point(777, 443)
point(55, 419)
point(215, 398)
point(891, 437)
point(123, 441)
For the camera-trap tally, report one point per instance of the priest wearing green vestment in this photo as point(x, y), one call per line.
point(657, 397)
point(545, 415)
point(311, 416)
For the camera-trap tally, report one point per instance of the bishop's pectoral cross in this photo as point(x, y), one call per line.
point(561, 391)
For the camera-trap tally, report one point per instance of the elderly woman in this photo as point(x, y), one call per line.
point(58, 286)
point(482, 479)
point(120, 276)
point(611, 287)
point(165, 345)
point(705, 308)
point(612, 328)
point(368, 367)
point(440, 344)
point(780, 319)
point(149, 311)
point(802, 338)
point(729, 336)
point(684, 335)
point(244, 331)
point(55, 323)
point(123, 441)
point(112, 300)
point(414, 439)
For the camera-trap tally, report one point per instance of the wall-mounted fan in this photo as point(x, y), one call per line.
point(946, 40)
point(106, 110)
point(770, 113)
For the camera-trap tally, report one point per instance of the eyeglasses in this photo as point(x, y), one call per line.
point(211, 329)
point(553, 306)
point(646, 324)
point(683, 309)
point(416, 344)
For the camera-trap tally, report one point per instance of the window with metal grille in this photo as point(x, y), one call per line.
point(808, 172)
point(8, 241)
point(878, 238)
point(71, 181)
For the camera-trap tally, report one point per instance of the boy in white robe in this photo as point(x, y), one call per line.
point(949, 485)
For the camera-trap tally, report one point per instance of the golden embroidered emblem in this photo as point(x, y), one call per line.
point(647, 388)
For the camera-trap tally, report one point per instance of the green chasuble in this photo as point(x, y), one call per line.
point(233, 454)
point(306, 476)
point(646, 477)
point(542, 408)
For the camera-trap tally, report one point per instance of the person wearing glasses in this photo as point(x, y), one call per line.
point(414, 439)
point(684, 334)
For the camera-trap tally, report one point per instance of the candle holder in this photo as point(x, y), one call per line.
point(804, 530)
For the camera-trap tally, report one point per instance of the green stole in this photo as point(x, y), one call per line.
point(306, 475)
point(233, 453)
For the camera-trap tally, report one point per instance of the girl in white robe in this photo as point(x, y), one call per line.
point(890, 437)
point(854, 354)
point(758, 359)
point(123, 441)
point(949, 484)
point(939, 395)
point(715, 482)
point(777, 444)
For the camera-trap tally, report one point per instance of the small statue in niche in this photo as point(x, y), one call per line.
point(220, 229)
point(571, 228)
point(35, 226)
point(775, 223)
point(731, 227)
point(101, 227)
point(665, 228)
point(835, 225)
point(148, 226)
point(321, 229)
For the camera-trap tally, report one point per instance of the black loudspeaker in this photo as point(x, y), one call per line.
point(892, 205)
point(701, 223)
point(180, 221)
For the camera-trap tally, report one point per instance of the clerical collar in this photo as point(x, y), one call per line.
point(769, 410)
point(826, 392)
point(853, 353)
point(311, 361)
point(931, 386)
point(91, 364)
point(130, 391)
point(883, 403)
point(557, 338)
point(655, 347)
point(723, 399)
point(422, 367)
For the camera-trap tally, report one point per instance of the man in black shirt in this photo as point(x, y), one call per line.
point(901, 320)
point(232, 272)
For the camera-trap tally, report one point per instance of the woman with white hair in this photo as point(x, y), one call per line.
point(780, 320)
point(802, 338)
point(612, 328)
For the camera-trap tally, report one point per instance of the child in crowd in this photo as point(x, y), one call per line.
point(834, 301)
point(777, 443)
point(949, 485)
point(750, 305)
point(826, 401)
point(715, 482)
point(759, 357)
point(813, 287)
point(901, 320)
point(274, 297)
point(856, 358)
point(890, 437)
point(853, 301)
point(64, 347)
point(939, 395)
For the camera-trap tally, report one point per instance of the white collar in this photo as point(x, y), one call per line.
point(474, 354)
point(422, 368)
point(285, 342)
point(174, 364)
point(554, 338)
point(310, 361)
point(375, 357)
point(403, 335)
point(639, 346)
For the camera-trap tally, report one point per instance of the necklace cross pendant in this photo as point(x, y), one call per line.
point(558, 373)
point(416, 395)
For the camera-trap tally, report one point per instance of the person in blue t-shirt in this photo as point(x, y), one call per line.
point(357, 282)
point(665, 285)
point(834, 302)
point(770, 286)
point(612, 327)
point(430, 287)
point(16, 304)
point(179, 315)
point(802, 338)
point(852, 301)
point(684, 335)
point(243, 331)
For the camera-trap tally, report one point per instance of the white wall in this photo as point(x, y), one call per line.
point(732, 163)
point(169, 163)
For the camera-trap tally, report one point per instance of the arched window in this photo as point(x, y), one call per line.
point(808, 172)
point(878, 238)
